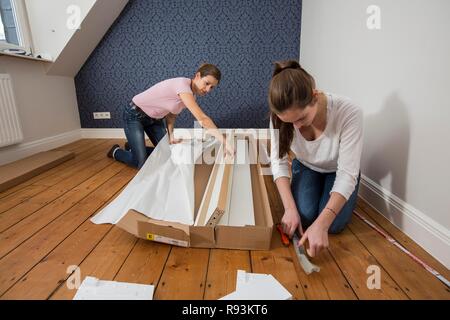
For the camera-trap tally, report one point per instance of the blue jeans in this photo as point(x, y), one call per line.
point(135, 124)
point(311, 191)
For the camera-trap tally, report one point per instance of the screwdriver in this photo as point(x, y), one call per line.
point(284, 238)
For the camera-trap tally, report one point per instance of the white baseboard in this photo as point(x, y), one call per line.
point(23, 150)
point(426, 232)
point(109, 133)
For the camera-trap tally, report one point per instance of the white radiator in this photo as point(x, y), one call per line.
point(10, 128)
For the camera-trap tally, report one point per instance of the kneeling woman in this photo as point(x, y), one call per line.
point(324, 132)
point(164, 100)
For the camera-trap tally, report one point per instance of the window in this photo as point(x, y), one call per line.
point(2, 30)
point(14, 30)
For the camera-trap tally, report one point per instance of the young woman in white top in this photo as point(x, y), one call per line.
point(324, 132)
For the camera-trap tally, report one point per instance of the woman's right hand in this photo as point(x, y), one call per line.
point(291, 221)
point(173, 140)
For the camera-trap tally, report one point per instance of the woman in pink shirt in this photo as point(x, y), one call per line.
point(164, 101)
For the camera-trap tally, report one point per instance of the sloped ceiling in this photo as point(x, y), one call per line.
point(85, 40)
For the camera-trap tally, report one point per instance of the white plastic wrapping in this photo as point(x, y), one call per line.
point(164, 187)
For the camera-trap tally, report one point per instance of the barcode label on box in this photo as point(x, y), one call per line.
point(175, 242)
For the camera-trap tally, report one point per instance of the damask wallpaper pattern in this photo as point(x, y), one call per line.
point(160, 39)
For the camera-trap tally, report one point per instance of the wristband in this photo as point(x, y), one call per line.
point(334, 212)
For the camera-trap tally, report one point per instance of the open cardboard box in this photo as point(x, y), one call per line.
point(257, 237)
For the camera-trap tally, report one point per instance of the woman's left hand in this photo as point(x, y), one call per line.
point(317, 236)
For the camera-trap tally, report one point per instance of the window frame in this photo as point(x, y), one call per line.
point(22, 27)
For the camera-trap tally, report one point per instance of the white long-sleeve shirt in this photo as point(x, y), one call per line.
point(338, 149)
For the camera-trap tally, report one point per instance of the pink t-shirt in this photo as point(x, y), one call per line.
point(163, 98)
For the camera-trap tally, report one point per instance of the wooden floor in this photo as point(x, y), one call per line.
point(45, 229)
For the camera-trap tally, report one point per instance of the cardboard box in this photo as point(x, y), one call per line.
point(257, 237)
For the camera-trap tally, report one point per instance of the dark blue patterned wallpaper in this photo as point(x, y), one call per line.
point(159, 39)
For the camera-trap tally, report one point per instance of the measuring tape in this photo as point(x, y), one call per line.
point(398, 245)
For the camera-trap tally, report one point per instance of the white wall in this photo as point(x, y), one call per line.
point(47, 108)
point(48, 23)
point(400, 75)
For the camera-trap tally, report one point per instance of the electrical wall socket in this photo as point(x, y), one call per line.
point(102, 115)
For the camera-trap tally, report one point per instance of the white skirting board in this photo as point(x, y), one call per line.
point(108, 133)
point(429, 234)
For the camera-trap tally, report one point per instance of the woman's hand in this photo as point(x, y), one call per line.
point(173, 140)
point(317, 236)
point(291, 221)
point(229, 149)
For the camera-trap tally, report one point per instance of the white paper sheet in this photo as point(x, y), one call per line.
point(164, 187)
point(94, 289)
point(255, 286)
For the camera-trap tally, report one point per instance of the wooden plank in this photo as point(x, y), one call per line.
point(328, 284)
point(224, 196)
point(103, 262)
point(415, 281)
point(24, 229)
point(378, 219)
point(184, 275)
point(276, 205)
point(14, 199)
point(353, 259)
point(98, 250)
point(145, 263)
point(54, 171)
point(23, 258)
point(224, 189)
point(222, 271)
point(19, 171)
point(215, 194)
point(14, 215)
